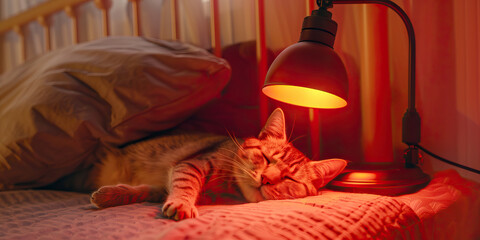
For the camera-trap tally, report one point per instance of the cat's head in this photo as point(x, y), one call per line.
point(272, 168)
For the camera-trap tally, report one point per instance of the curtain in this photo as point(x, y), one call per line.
point(448, 79)
point(447, 40)
point(373, 44)
point(447, 76)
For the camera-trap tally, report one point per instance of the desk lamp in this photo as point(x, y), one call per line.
point(311, 74)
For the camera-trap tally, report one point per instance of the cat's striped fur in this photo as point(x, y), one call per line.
point(177, 168)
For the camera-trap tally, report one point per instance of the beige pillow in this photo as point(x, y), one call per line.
point(56, 109)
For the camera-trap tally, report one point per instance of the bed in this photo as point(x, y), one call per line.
point(445, 209)
point(59, 107)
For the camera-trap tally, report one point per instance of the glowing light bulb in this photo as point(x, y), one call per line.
point(305, 97)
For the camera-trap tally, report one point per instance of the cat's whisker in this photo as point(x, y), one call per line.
point(229, 150)
point(218, 178)
point(231, 161)
point(293, 127)
point(233, 152)
point(299, 137)
point(237, 164)
point(230, 157)
point(231, 171)
point(242, 168)
point(240, 164)
point(235, 141)
point(229, 176)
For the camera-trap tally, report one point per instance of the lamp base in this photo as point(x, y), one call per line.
point(388, 181)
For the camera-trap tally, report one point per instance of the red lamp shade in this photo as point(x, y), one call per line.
point(309, 73)
point(294, 77)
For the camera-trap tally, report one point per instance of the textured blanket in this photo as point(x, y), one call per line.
point(448, 208)
point(42, 214)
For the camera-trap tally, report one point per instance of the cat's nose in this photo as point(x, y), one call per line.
point(269, 179)
point(265, 180)
point(271, 175)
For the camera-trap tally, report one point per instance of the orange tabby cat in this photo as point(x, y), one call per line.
point(178, 167)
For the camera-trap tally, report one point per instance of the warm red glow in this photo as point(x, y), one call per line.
point(363, 176)
point(302, 96)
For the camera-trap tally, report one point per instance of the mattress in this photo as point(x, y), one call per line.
point(427, 214)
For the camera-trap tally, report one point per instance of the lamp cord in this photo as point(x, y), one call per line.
point(448, 161)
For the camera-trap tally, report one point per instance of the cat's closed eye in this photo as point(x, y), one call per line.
point(266, 158)
point(270, 159)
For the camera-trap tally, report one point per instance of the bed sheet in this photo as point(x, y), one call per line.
point(449, 208)
point(46, 214)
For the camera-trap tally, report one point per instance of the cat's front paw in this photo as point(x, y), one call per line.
point(179, 210)
point(121, 194)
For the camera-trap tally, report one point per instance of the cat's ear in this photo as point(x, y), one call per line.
point(275, 126)
point(325, 170)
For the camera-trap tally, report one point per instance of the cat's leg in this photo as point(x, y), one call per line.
point(122, 194)
point(187, 181)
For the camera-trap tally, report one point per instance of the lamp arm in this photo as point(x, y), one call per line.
point(411, 119)
point(411, 41)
